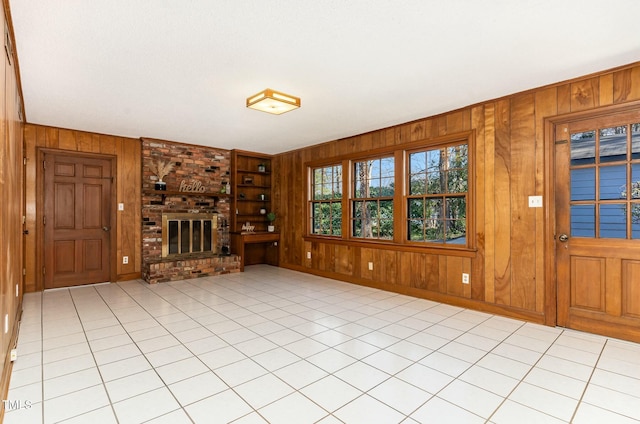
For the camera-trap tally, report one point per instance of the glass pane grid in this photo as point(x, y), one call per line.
point(326, 218)
point(437, 203)
point(372, 201)
point(604, 181)
point(326, 207)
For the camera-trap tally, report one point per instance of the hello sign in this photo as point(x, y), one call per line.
point(193, 187)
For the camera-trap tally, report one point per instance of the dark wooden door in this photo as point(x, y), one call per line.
point(597, 190)
point(77, 219)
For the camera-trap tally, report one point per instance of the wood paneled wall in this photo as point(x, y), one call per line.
point(508, 269)
point(11, 185)
point(127, 152)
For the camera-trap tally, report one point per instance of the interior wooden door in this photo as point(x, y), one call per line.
point(597, 186)
point(77, 219)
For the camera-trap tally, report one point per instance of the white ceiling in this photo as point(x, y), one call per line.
point(182, 70)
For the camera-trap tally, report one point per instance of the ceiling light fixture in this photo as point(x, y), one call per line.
point(274, 102)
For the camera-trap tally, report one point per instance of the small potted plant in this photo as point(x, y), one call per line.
point(262, 167)
point(271, 216)
point(161, 169)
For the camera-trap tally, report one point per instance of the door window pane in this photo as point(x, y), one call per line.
point(583, 184)
point(635, 181)
point(613, 144)
point(583, 148)
point(605, 182)
point(635, 221)
point(583, 221)
point(613, 221)
point(613, 180)
point(635, 141)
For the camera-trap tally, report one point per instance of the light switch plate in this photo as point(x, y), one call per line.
point(535, 201)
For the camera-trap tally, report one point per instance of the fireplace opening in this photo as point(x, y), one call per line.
point(185, 234)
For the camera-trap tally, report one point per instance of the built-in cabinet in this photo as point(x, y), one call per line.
point(251, 202)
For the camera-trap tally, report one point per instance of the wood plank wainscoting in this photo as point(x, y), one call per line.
point(512, 267)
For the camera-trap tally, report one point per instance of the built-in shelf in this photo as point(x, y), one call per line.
point(259, 246)
point(170, 193)
point(247, 171)
point(266, 187)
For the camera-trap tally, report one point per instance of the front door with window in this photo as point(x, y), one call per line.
point(597, 171)
point(77, 219)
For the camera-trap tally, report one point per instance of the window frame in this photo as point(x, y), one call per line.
point(400, 239)
point(353, 200)
point(442, 195)
point(312, 201)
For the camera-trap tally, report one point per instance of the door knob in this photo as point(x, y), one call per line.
point(105, 228)
point(563, 238)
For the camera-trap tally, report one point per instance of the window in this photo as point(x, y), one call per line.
point(417, 195)
point(326, 203)
point(438, 195)
point(373, 192)
point(605, 182)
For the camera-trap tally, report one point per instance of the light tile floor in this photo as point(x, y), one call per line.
point(277, 346)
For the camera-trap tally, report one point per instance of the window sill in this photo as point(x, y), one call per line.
point(390, 245)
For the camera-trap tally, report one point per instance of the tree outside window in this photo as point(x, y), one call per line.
point(326, 206)
point(372, 199)
point(438, 195)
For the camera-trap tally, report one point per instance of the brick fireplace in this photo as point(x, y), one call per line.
point(194, 212)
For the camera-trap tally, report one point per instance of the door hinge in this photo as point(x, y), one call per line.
point(44, 164)
point(44, 220)
point(24, 161)
point(43, 269)
point(24, 271)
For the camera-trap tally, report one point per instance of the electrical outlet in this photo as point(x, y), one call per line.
point(465, 278)
point(14, 355)
point(125, 260)
point(370, 266)
point(308, 255)
point(120, 206)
